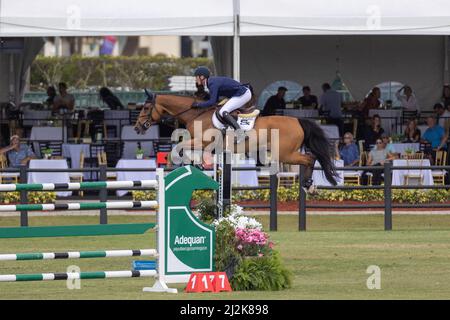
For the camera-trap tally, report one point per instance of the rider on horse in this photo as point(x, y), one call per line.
point(238, 94)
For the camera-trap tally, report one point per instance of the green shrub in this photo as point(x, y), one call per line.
point(135, 72)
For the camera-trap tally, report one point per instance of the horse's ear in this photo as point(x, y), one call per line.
point(150, 96)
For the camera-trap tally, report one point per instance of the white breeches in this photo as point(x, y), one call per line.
point(236, 102)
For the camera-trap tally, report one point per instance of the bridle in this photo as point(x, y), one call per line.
point(150, 120)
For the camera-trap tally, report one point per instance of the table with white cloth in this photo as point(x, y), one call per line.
point(389, 118)
point(49, 177)
point(117, 118)
point(248, 178)
point(331, 131)
point(301, 113)
point(398, 175)
point(401, 147)
point(73, 151)
point(135, 175)
point(319, 178)
point(129, 147)
point(34, 117)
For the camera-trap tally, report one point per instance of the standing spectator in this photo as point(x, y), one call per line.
point(64, 102)
point(331, 101)
point(407, 99)
point(435, 135)
point(111, 100)
point(412, 133)
point(275, 102)
point(349, 151)
point(308, 100)
point(372, 101)
point(18, 154)
point(377, 157)
point(51, 94)
point(373, 132)
point(442, 116)
point(446, 96)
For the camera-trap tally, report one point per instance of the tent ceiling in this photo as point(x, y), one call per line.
point(344, 17)
point(115, 17)
point(215, 17)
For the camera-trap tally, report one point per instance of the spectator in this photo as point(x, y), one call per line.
point(377, 157)
point(308, 100)
point(18, 154)
point(443, 116)
point(407, 99)
point(388, 145)
point(111, 100)
point(435, 135)
point(349, 151)
point(51, 93)
point(412, 133)
point(373, 132)
point(331, 101)
point(275, 102)
point(372, 101)
point(64, 101)
point(446, 96)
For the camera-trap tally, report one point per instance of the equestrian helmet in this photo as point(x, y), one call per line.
point(202, 71)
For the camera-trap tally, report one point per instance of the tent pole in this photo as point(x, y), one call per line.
point(236, 42)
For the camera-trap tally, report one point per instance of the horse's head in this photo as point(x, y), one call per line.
point(150, 114)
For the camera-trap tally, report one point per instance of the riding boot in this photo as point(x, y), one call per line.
point(240, 136)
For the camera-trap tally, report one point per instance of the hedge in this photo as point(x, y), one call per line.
point(134, 72)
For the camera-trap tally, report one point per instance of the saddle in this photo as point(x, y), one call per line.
point(245, 116)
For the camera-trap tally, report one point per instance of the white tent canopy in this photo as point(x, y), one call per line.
point(344, 17)
point(27, 18)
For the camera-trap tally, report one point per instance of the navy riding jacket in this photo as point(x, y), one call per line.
point(221, 87)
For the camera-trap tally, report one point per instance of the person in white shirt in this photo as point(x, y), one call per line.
point(407, 99)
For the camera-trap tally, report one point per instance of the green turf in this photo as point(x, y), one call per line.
point(329, 261)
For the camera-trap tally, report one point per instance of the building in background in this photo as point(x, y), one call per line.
point(172, 46)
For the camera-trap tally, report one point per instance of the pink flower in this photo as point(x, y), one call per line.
point(239, 247)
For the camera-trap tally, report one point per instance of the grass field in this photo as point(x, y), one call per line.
point(329, 261)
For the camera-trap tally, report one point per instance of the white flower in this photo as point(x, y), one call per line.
point(238, 220)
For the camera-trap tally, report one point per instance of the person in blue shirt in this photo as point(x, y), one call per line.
point(435, 134)
point(349, 151)
point(237, 93)
point(18, 154)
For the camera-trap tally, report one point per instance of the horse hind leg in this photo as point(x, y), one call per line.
point(308, 161)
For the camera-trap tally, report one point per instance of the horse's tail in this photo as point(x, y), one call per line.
point(319, 145)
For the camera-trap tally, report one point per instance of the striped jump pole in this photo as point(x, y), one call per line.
point(79, 185)
point(77, 275)
point(81, 206)
point(77, 255)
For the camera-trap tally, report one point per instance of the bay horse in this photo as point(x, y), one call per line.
point(293, 133)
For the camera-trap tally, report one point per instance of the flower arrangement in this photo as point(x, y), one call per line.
point(47, 152)
point(244, 251)
point(139, 153)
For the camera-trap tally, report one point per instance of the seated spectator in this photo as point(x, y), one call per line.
point(407, 99)
point(373, 132)
point(331, 102)
point(412, 133)
point(349, 151)
point(388, 145)
point(111, 100)
point(372, 101)
point(64, 102)
point(377, 157)
point(446, 96)
point(275, 102)
point(435, 135)
point(51, 93)
point(308, 100)
point(18, 154)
